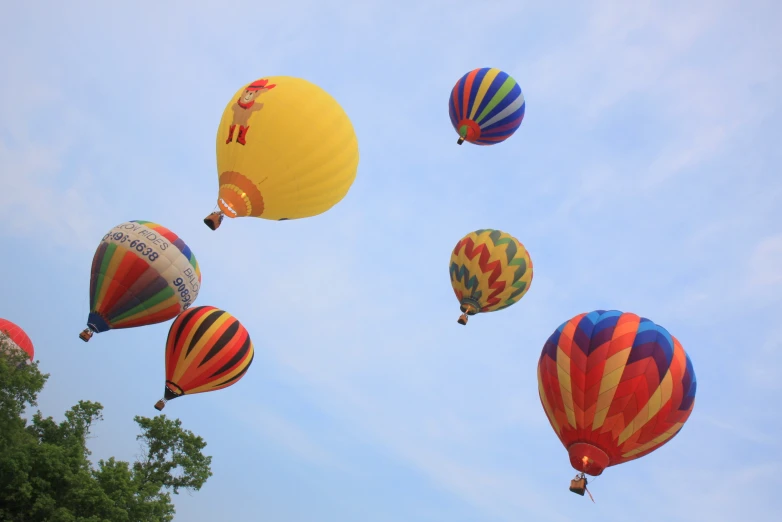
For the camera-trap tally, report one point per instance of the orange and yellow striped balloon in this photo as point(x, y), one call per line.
point(490, 270)
point(615, 387)
point(208, 349)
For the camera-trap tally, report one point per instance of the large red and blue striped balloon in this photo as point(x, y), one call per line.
point(486, 106)
point(615, 386)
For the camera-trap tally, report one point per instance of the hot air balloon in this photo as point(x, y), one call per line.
point(490, 270)
point(208, 349)
point(17, 337)
point(486, 106)
point(142, 274)
point(285, 150)
point(615, 387)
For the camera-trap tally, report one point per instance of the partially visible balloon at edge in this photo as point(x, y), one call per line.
point(18, 337)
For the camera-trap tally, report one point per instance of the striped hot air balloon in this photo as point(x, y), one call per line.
point(486, 106)
point(615, 387)
point(142, 273)
point(207, 349)
point(17, 337)
point(490, 270)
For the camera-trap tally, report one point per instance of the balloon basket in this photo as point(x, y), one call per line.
point(462, 319)
point(159, 405)
point(460, 140)
point(213, 220)
point(86, 335)
point(578, 485)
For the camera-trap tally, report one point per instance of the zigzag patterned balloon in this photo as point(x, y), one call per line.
point(490, 270)
point(615, 387)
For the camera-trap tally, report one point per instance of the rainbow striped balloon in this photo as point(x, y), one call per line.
point(142, 273)
point(486, 106)
point(615, 387)
point(490, 270)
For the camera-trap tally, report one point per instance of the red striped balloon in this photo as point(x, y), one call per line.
point(207, 349)
point(615, 387)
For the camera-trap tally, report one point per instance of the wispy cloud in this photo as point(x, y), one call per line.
point(765, 264)
point(743, 433)
point(740, 494)
point(281, 431)
point(652, 53)
point(763, 365)
point(38, 202)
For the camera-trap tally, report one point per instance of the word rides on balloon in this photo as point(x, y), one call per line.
point(145, 233)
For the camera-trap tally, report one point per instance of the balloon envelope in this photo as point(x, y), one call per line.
point(615, 387)
point(285, 150)
point(17, 336)
point(207, 349)
point(142, 273)
point(490, 270)
point(486, 106)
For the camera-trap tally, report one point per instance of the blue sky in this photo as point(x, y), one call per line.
point(645, 178)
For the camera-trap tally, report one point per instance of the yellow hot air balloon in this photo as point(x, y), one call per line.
point(285, 150)
point(490, 270)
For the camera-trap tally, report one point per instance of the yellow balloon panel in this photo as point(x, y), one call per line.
point(285, 150)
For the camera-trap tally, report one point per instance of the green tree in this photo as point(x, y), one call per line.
point(46, 473)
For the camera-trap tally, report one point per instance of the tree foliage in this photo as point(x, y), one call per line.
point(46, 473)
